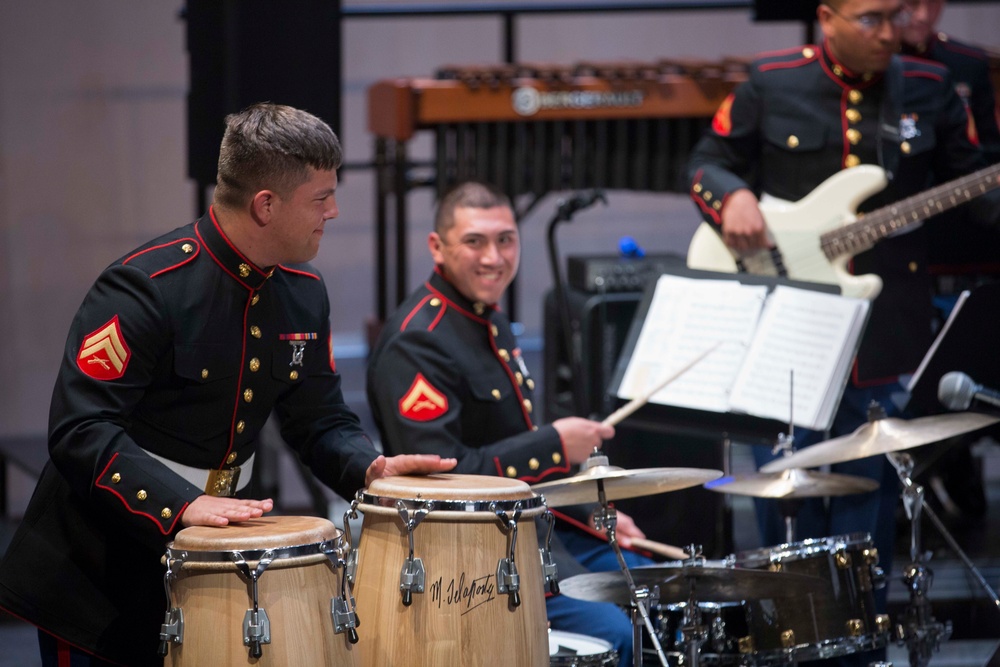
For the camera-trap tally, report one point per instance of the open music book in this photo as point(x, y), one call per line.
point(769, 339)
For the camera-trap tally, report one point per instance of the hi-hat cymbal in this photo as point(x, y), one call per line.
point(620, 483)
point(705, 584)
point(881, 437)
point(792, 484)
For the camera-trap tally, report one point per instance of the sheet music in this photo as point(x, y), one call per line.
point(813, 334)
point(685, 317)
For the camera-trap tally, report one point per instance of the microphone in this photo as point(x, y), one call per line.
point(579, 202)
point(956, 391)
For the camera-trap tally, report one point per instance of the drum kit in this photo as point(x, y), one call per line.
point(453, 569)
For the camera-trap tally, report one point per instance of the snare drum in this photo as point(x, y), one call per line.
point(449, 572)
point(568, 649)
point(290, 565)
point(837, 622)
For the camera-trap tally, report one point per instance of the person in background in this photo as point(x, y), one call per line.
point(959, 250)
point(805, 114)
point(175, 359)
point(446, 376)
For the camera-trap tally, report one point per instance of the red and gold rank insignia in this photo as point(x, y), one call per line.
point(422, 401)
point(722, 123)
point(104, 354)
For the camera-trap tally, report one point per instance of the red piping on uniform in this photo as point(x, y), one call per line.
point(510, 376)
point(298, 272)
point(794, 63)
point(165, 245)
point(964, 50)
point(58, 639)
point(471, 316)
point(239, 383)
point(924, 75)
point(122, 498)
point(420, 305)
point(211, 213)
point(216, 260)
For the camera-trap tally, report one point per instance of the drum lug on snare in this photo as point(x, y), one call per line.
point(351, 566)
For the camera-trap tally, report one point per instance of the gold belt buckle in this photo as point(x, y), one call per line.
point(223, 482)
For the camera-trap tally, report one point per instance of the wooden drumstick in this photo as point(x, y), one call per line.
point(636, 403)
point(667, 550)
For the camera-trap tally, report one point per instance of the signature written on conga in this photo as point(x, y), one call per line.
point(465, 591)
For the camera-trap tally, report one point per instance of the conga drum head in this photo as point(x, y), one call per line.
point(296, 561)
point(462, 528)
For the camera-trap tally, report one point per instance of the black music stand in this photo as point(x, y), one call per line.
point(662, 435)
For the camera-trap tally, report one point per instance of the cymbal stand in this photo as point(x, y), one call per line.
point(785, 445)
point(693, 633)
point(919, 630)
point(606, 517)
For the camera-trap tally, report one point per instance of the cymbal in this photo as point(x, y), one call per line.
point(792, 484)
point(881, 437)
point(705, 584)
point(620, 483)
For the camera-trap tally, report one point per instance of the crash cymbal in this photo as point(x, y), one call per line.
point(705, 584)
point(792, 484)
point(620, 483)
point(881, 437)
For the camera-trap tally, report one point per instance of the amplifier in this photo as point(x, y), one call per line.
point(614, 273)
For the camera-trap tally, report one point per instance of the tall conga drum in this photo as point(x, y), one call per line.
point(261, 592)
point(449, 573)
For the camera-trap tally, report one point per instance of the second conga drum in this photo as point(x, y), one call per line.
point(297, 562)
point(462, 540)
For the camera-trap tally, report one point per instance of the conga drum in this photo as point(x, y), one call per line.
point(449, 573)
point(261, 592)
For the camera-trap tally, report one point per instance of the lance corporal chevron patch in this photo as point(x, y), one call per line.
point(104, 354)
point(422, 401)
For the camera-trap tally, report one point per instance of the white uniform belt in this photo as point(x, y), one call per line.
point(213, 482)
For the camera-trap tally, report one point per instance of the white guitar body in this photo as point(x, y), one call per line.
point(795, 229)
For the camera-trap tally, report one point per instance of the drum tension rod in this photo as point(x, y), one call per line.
point(342, 609)
point(550, 570)
point(411, 577)
point(256, 624)
point(508, 580)
point(172, 629)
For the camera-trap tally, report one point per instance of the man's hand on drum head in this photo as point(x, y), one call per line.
point(407, 464)
point(216, 511)
point(581, 436)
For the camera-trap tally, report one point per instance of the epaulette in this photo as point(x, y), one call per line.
point(164, 255)
point(425, 315)
point(963, 48)
point(915, 65)
point(786, 58)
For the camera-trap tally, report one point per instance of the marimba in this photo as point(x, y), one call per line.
point(537, 128)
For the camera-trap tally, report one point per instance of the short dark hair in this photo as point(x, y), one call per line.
point(470, 194)
point(271, 147)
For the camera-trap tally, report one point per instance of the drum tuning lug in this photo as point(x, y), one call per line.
point(550, 571)
point(508, 580)
point(351, 566)
point(344, 617)
point(352, 636)
point(172, 630)
point(411, 578)
point(256, 630)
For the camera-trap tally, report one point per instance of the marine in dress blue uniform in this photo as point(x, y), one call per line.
point(802, 116)
point(180, 351)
